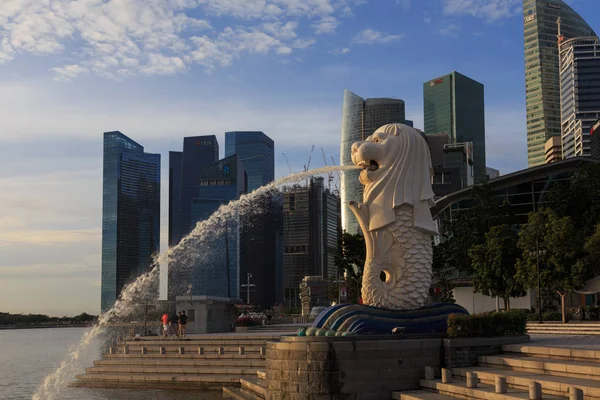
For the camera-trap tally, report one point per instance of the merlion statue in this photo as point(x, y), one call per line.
point(395, 217)
point(398, 228)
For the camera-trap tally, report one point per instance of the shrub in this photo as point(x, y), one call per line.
point(505, 323)
point(551, 316)
point(245, 321)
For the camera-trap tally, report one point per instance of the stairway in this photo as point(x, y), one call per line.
point(251, 388)
point(555, 369)
point(205, 362)
point(557, 328)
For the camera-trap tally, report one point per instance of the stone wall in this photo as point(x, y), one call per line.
point(464, 352)
point(354, 368)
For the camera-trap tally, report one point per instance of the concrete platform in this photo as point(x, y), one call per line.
point(225, 359)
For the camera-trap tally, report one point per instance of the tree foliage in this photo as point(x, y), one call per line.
point(468, 229)
point(578, 198)
point(350, 261)
point(8, 319)
point(552, 241)
point(494, 264)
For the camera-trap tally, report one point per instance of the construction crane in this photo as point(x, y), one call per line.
point(287, 162)
point(307, 166)
point(338, 174)
point(329, 174)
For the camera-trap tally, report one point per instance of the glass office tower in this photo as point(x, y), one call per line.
point(130, 213)
point(256, 151)
point(579, 93)
point(184, 169)
point(542, 84)
point(360, 118)
point(454, 104)
point(261, 251)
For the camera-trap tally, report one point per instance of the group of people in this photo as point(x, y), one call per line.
point(176, 325)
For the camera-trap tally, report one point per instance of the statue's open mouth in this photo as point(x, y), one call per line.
point(371, 166)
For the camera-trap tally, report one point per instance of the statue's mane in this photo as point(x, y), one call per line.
point(406, 181)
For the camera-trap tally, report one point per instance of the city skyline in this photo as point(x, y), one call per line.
point(284, 76)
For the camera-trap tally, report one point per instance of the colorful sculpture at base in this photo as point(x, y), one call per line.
point(396, 222)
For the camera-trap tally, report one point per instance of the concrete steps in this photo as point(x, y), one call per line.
point(187, 349)
point(209, 363)
point(251, 388)
point(419, 395)
point(196, 382)
point(159, 362)
point(549, 328)
point(519, 380)
point(543, 366)
point(556, 370)
point(459, 389)
point(171, 370)
point(189, 356)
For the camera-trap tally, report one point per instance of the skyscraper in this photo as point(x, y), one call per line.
point(360, 118)
point(184, 170)
point(311, 220)
point(542, 84)
point(579, 93)
point(256, 151)
point(261, 239)
point(454, 105)
point(216, 272)
point(130, 213)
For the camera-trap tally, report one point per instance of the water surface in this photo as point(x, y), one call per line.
point(27, 356)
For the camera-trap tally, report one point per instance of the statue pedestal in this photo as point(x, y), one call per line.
point(358, 319)
point(343, 367)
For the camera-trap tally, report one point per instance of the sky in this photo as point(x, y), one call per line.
point(159, 70)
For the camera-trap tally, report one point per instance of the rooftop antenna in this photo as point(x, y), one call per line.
point(560, 36)
point(329, 174)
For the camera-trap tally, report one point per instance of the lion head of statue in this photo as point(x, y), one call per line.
point(397, 170)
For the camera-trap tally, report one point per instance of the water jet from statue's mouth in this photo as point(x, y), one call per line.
point(371, 166)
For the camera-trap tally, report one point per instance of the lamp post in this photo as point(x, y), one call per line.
point(248, 286)
point(190, 286)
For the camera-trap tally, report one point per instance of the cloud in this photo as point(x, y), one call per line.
point(116, 39)
point(370, 36)
point(449, 28)
point(490, 10)
point(325, 25)
point(404, 4)
point(340, 51)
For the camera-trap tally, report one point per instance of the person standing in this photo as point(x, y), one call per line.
point(183, 323)
point(165, 322)
point(174, 325)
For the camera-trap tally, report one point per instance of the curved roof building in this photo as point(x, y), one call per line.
point(360, 118)
point(542, 84)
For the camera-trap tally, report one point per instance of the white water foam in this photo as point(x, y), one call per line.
point(59, 379)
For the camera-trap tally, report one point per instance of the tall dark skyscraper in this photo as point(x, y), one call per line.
point(579, 93)
point(130, 213)
point(261, 239)
point(217, 271)
point(256, 151)
point(184, 176)
point(542, 83)
point(454, 105)
point(311, 221)
point(360, 118)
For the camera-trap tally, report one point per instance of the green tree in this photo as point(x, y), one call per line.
point(468, 229)
point(592, 247)
point(578, 198)
point(563, 262)
point(351, 261)
point(494, 264)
